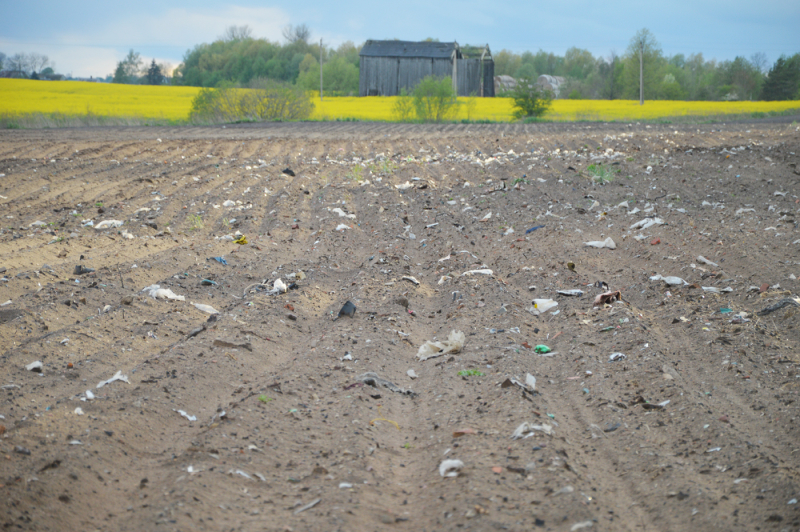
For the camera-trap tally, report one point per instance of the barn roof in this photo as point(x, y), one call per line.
point(436, 50)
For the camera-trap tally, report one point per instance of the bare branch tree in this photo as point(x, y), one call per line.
point(293, 34)
point(237, 33)
point(760, 62)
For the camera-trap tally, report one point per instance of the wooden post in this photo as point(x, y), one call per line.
point(455, 70)
point(320, 69)
point(641, 73)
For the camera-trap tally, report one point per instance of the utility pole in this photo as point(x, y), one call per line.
point(320, 69)
point(641, 72)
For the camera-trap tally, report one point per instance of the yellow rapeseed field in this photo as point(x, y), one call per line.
point(27, 97)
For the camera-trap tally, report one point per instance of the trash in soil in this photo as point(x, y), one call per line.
point(450, 468)
point(156, 292)
point(453, 344)
point(241, 240)
point(411, 374)
point(205, 308)
point(541, 348)
point(582, 524)
point(671, 281)
point(616, 356)
point(221, 260)
point(342, 227)
point(463, 432)
point(570, 292)
point(607, 243)
point(118, 376)
point(343, 214)
point(789, 301)
point(532, 229)
point(208, 282)
point(526, 430)
point(288, 171)
point(35, 366)
point(541, 306)
point(89, 395)
point(704, 260)
point(409, 278)
point(479, 272)
point(348, 309)
point(278, 287)
point(607, 298)
point(82, 270)
point(647, 223)
point(370, 378)
point(78, 411)
point(309, 505)
point(187, 416)
point(109, 224)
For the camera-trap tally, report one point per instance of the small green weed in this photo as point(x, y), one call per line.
point(196, 221)
point(356, 173)
point(265, 399)
point(598, 173)
point(471, 373)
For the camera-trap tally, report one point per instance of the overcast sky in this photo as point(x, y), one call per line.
point(87, 38)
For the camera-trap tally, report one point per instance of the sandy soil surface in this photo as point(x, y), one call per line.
point(260, 417)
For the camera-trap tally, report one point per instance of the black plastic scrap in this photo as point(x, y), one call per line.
point(287, 171)
point(779, 305)
point(370, 378)
point(348, 309)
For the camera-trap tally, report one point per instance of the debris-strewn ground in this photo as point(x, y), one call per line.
point(260, 417)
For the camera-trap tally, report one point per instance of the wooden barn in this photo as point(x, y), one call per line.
point(388, 66)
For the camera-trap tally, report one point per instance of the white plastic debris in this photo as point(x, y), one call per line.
point(450, 468)
point(647, 223)
point(279, 286)
point(343, 214)
point(205, 308)
point(156, 292)
point(607, 243)
point(570, 292)
point(526, 430)
point(89, 395)
point(229, 203)
point(704, 260)
point(583, 524)
point(37, 223)
point(616, 356)
point(453, 344)
point(35, 366)
point(411, 279)
point(509, 231)
point(347, 356)
point(530, 381)
point(342, 227)
point(345, 485)
point(540, 306)
point(743, 210)
point(411, 374)
point(118, 376)
point(671, 280)
point(187, 416)
point(109, 224)
point(79, 411)
point(404, 186)
point(479, 272)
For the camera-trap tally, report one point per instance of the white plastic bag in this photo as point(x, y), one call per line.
point(453, 344)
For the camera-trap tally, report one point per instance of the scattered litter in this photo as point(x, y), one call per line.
point(288, 171)
point(343, 214)
point(450, 468)
point(541, 348)
point(647, 223)
point(541, 306)
point(79, 411)
point(348, 309)
point(35, 366)
point(156, 292)
point(479, 272)
point(109, 224)
point(208, 282)
point(794, 301)
point(221, 260)
point(187, 416)
point(570, 292)
point(370, 378)
point(743, 210)
point(342, 227)
point(532, 229)
point(89, 395)
point(309, 505)
point(607, 297)
point(345, 485)
point(526, 430)
point(582, 524)
point(672, 281)
point(607, 243)
point(118, 376)
point(704, 260)
point(410, 278)
point(404, 186)
point(616, 356)
point(229, 203)
point(242, 240)
point(205, 308)
point(411, 374)
point(453, 344)
point(82, 270)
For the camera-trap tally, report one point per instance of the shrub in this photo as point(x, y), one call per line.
point(264, 100)
point(403, 109)
point(529, 100)
point(435, 99)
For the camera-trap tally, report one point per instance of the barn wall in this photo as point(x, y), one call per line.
point(385, 76)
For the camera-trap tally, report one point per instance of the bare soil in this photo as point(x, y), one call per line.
point(279, 416)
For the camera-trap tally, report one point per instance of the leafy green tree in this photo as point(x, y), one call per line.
point(783, 80)
point(529, 100)
point(435, 99)
point(340, 77)
point(128, 69)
